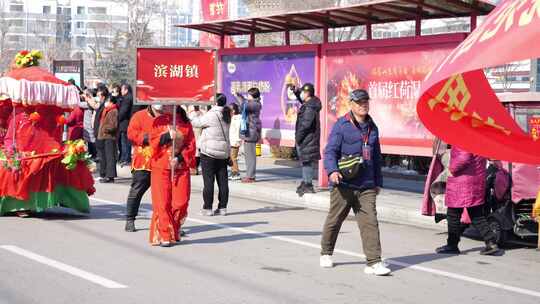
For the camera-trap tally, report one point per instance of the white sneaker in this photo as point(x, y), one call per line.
point(235, 177)
point(221, 212)
point(206, 212)
point(379, 269)
point(326, 261)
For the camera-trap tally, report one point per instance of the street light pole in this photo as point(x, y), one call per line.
point(26, 23)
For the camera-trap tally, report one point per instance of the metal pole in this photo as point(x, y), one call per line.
point(173, 143)
point(14, 125)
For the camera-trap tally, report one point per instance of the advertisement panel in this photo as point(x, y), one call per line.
point(393, 77)
point(274, 75)
point(171, 75)
point(69, 69)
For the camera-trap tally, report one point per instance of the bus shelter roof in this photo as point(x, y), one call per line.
point(368, 12)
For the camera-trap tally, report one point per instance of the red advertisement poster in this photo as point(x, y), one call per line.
point(175, 75)
point(393, 77)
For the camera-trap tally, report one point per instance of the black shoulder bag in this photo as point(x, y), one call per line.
point(350, 166)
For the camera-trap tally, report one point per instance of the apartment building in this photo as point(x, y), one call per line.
point(69, 25)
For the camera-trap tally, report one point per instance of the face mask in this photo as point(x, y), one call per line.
point(157, 107)
point(96, 99)
point(303, 96)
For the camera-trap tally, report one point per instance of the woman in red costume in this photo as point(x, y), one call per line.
point(170, 192)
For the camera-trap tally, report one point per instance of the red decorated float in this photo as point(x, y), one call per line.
point(37, 170)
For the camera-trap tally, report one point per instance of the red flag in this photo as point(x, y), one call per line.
point(458, 105)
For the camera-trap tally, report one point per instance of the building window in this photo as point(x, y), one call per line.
point(81, 42)
point(97, 10)
point(19, 8)
point(17, 22)
point(46, 10)
point(80, 25)
point(14, 38)
point(80, 10)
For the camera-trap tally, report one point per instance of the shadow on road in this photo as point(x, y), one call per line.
point(399, 263)
point(239, 237)
point(267, 209)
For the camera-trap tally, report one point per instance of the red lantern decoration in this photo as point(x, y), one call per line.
point(34, 117)
point(60, 120)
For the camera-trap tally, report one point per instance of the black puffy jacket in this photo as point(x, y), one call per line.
point(124, 112)
point(308, 130)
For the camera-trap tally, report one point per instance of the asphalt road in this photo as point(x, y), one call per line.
point(259, 253)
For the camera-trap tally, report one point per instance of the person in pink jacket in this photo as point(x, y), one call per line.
point(465, 189)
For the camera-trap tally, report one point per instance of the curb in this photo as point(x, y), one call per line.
point(388, 209)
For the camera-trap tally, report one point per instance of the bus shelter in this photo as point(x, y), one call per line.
point(391, 70)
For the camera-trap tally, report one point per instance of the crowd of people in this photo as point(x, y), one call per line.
point(166, 153)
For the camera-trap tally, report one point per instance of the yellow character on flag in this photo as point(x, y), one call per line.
point(505, 17)
point(455, 95)
point(528, 15)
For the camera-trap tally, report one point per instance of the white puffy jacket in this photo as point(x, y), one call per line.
point(214, 140)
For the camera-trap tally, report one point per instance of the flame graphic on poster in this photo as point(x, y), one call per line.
point(289, 103)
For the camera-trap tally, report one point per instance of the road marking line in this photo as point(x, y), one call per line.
point(63, 267)
point(358, 255)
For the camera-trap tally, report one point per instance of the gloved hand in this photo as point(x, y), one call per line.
point(165, 139)
point(146, 140)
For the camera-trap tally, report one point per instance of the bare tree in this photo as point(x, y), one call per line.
point(113, 60)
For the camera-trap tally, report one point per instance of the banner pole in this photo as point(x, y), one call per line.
point(173, 143)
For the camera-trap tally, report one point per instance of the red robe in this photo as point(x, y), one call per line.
point(140, 126)
point(170, 199)
point(75, 124)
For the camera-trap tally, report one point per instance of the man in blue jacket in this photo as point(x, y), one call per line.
point(355, 134)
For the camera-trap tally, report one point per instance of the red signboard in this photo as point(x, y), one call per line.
point(215, 9)
point(393, 77)
point(175, 75)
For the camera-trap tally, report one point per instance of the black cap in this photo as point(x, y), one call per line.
point(358, 95)
point(309, 87)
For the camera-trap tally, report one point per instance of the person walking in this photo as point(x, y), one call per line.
point(196, 113)
point(356, 135)
point(250, 129)
point(465, 189)
point(108, 135)
point(215, 152)
point(307, 136)
point(170, 190)
point(101, 94)
point(124, 116)
point(138, 133)
point(236, 142)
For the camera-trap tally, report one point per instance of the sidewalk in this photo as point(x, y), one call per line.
point(399, 202)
